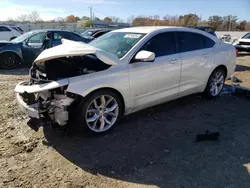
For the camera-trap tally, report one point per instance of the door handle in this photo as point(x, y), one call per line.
point(173, 61)
point(205, 55)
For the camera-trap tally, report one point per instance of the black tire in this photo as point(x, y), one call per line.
point(9, 60)
point(210, 81)
point(86, 102)
point(12, 38)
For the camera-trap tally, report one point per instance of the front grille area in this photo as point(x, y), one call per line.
point(244, 43)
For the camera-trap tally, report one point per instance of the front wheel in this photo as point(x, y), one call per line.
point(9, 60)
point(101, 111)
point(215, 83)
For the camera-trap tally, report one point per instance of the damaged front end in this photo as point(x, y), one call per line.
point(50, 106)
point(44, 97)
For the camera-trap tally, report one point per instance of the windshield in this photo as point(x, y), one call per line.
point(23, 37)
point(117, 43)
point(246, 36)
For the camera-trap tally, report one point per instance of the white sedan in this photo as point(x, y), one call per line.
point(122, 72)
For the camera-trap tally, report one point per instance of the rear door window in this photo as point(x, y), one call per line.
point(161, 44)
point(188, 41)
point(4, 29)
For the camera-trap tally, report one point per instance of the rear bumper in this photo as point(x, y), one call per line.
point(31, 110)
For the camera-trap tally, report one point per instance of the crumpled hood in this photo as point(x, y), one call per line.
point(72, 48)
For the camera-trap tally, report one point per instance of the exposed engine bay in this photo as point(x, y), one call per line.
point(52, 104)
point(66, 67)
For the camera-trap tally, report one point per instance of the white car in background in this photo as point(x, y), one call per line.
point(122, 72)
point(243, 44)
point(8, 33)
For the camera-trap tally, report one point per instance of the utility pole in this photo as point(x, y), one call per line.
point(90, 13)
point(93, 16)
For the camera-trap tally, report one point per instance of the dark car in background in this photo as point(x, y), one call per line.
point(25, 48)
point(205, 28)
point(92, 34)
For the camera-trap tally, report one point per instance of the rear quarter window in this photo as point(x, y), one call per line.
point(209, 43)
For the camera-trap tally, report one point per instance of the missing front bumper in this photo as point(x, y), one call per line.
point(31, 110)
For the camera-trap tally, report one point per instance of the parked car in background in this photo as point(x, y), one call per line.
point(8, 33)
point(243, 44)
point(122, 72)
point(205, 28)
point(17, 28)
point(25, 48)
point(92, 34)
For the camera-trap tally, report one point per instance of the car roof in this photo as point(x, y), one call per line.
point(5, 25)
point(45, 30)
point(155, 29)
point(151, 29)
point(100, 29)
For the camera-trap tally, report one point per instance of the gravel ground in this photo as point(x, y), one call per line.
point(151, 148)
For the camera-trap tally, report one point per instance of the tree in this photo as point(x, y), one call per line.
point(248, 26)
point(59, 19)
point(115, 19)
point(189, 19)
point(107, 19)
point(97, 19)
point(215, 21)
point(85, 18)
point(88, 23)
point(72, 18)
point(229, 22)
point(22, 18)
point(34, 17)
point(241, 26)
point(85, 23)
point(130, 19)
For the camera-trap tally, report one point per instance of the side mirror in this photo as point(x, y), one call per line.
point(144, 56)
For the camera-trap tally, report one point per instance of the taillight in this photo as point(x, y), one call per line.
point(237, 52)
point(22, 33)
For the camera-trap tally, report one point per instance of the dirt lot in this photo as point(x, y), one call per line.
point(152, 148)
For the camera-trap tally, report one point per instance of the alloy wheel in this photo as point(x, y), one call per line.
point(217, 83)
point(102, 113)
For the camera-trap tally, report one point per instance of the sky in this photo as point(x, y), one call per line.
point(49, 9)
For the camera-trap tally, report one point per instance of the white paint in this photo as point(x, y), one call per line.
point(23, 87)
point(72, 48)
point(144, 84)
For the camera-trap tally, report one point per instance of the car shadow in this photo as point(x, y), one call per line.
point(241, 68)
point(22, 71)
point(157, 146)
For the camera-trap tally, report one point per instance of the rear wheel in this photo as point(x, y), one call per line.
point(215, 83)
point(101, 111)
point(9, 60)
